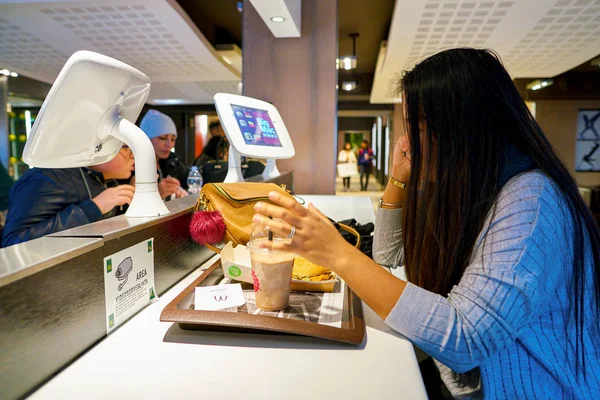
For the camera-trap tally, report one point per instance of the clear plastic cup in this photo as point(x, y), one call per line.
point(271, 270)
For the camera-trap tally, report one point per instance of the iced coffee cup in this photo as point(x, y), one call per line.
point(271, 271)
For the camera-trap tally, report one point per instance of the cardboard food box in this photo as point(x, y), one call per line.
point(235, 262)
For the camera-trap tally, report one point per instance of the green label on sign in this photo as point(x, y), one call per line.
point(234, 271)
point(111, 320)
point(152, 293)
point(108, 265)
point(149, 246)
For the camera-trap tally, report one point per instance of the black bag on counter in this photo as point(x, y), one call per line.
point(252, 167)
point(214, 171)
point(365, 231)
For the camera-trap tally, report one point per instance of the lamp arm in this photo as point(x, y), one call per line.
point(146, 199)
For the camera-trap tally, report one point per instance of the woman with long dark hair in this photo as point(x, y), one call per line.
point(502, 255)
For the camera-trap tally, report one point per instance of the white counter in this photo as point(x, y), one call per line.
point(149, 359)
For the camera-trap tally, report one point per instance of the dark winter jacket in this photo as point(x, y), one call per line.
point(46, 201)
point(173, 167)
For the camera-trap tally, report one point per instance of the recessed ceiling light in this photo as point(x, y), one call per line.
point(14, 74)
point(277, 19)
point(168, 102)
point(348, 86)
point(539, 84)
point(5, 72)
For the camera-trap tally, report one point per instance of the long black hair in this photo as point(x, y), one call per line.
point(462, 111)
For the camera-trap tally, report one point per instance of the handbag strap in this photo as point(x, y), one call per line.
point(352, 231)
point(213, 248)
point(342, 226)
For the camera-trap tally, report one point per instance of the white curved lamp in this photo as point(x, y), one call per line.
point(88, 113)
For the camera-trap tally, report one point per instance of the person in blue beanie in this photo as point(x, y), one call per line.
point(172, 174)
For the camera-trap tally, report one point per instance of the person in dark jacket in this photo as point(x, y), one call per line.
point(6, 183)
point(216, 148)
point(172, 166)
point(48, 200)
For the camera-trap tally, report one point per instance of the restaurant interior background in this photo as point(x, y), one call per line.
point(192, 49)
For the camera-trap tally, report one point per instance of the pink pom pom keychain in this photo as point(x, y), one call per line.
point(207, 227)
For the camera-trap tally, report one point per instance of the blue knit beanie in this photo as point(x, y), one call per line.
point(156, 124)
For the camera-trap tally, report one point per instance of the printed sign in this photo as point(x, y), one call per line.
point(220, 297)
point(587, 148)
point(128, 282)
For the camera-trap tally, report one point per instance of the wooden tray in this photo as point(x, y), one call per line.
point(181, 310)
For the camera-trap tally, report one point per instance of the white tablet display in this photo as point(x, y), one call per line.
point(253, 127)
point(256, 126)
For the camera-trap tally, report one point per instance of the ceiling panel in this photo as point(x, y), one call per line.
point(535, 38)
point(199, 92)
point(154, 36)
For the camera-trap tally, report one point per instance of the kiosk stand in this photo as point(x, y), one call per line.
point(234, 172)
point(254, 128)
point(87, 116)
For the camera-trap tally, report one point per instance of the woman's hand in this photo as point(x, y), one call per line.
point(168, 186)
point(315, 238)
point(401, 164)
point(181, 192)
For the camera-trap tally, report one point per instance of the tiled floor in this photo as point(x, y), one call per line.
point(374, 190)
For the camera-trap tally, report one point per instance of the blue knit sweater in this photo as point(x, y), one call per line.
point(509, 316)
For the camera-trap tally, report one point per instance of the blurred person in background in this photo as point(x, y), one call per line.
point(365, 163)
point(217, 146)
point(347, 156)
point(49, 200)
point(172, 174)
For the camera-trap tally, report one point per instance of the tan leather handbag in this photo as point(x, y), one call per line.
point(224, 212)
point(235, 202)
